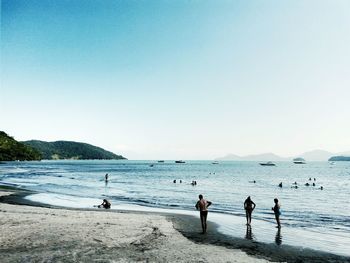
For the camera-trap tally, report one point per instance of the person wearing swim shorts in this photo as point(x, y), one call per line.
point(202, 205)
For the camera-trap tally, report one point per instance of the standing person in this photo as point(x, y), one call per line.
point(203, 205)
point(277, 210)
point(106, 178)
point(249, 206)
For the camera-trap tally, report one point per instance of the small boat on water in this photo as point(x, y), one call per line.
point(180, 161)
point(215, 162)
point(268, 164)
point(299, 161)
point(161, 161)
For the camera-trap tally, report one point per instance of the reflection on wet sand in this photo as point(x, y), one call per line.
point(278, 238)
point(249, 234)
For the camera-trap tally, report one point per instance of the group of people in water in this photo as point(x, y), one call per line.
point(295, 184)
point(193, 183)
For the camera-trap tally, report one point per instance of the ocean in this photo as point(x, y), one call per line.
point(311, 217)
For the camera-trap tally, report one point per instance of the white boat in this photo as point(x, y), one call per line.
point(268, 164)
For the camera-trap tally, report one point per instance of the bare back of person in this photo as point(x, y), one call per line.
point(202, 205)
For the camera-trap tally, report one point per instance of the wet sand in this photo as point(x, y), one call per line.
point(43, 234)
point(37, 232)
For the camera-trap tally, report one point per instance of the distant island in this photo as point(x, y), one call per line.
point(12, 150)
point(315, 155)
point(71, 150)
point(339, 158)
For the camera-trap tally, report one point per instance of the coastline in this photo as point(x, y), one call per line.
point(32, 233)
point(170, 237)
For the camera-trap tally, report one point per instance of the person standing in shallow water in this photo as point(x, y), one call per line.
point(277, 210)
point(249, 206)
point(202, 205)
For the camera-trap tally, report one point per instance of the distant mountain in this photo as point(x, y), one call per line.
point(70, 150)
point(12, 150)
point(253, 157)
point(339, 158)
point(316, 155)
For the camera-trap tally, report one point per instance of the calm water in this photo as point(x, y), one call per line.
point(319, 219)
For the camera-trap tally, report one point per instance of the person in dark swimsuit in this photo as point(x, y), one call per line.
point(249, 206)
point(105, 204)
point(276, 209)
point(202, 205)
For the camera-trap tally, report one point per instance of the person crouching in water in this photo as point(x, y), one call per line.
point(105, 204)
point(277, 210)
point(202, 205)
point(249, 206)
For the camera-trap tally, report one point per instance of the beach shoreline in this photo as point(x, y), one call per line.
point(34, 233)
point(182, 227)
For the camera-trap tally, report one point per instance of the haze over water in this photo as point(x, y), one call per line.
point(311, 217)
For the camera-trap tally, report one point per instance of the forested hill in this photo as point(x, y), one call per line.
point(12, 150)
point(339, 158)
point(71, 150)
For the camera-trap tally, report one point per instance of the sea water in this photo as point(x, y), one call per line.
point(311, 217)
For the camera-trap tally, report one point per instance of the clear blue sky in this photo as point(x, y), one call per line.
point(178, 79)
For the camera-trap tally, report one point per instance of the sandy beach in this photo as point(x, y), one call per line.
point(40, 234)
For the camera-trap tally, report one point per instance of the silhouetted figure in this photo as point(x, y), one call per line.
point(174, 181)
point(249, 206)
point(280, 184)
point(294, 186)
point(314, 179)
point(321, 188)
point(105, 204)
point(276, 209)
point(313, 184)
point(295, 183)
point(106, 178)
point(202, 205)
point(180, 181)
point(307, 184)
point(310, 179)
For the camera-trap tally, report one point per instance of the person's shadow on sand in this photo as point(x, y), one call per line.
point(249, 234)
point(278, 237)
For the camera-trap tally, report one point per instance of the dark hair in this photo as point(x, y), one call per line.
point(275, 200)
point(200, 196)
